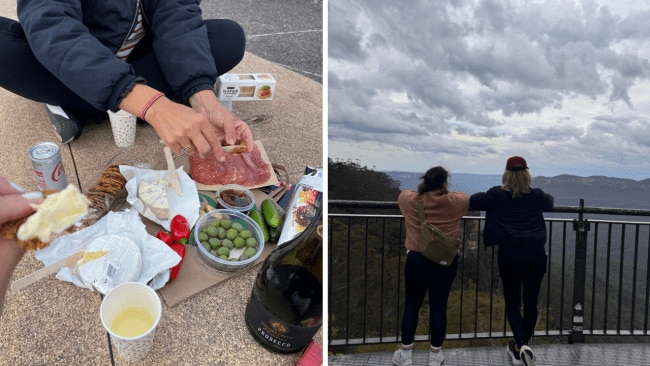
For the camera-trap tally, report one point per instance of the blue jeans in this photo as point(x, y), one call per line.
point(22, 74)
point(522, 271)
point(422, 275)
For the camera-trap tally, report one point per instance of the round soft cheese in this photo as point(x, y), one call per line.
point(122, 262)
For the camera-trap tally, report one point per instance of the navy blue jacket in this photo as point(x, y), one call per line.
point(513, 222)
point(76, 40)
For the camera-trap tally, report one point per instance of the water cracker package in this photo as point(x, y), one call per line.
point(306, 195)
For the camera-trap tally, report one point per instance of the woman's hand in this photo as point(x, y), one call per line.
point(230, 128)
point(14, 205)
point(183, 129)
point(200, 128)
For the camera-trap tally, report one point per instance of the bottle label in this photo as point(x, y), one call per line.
point(275, 333)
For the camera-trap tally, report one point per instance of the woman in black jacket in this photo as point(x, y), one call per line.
point(158, 60)
point(514, 221)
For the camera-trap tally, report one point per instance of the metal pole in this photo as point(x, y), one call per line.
point(581, 227)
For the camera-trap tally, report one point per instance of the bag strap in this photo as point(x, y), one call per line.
point(421, 210)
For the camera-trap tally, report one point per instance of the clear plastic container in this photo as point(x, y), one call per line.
point(213, 260)
point(235, 197)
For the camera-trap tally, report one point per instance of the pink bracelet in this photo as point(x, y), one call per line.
point(149, 103)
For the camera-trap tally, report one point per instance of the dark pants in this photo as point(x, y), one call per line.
point(422, 275)
point(522, 271)
point(22, 74)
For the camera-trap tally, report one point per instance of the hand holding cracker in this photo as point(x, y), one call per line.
point(14, 204)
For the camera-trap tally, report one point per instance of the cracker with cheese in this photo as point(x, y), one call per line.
point(59, 211)
point(63, 212)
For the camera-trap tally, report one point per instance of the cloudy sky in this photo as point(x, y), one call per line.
point(467, 83)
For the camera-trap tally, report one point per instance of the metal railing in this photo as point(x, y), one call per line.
point(597, 281)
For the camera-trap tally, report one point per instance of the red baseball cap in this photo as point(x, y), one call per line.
point(516, 163)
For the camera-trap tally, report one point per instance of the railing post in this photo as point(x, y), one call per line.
point(581, 227)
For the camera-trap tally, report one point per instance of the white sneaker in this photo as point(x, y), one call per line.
point(436, 358)
point(399, 360)
point(514, 355)
point(527, 356)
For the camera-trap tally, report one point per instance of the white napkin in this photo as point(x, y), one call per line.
point(157, 257)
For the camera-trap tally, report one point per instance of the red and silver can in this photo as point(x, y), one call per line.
point(48, 166)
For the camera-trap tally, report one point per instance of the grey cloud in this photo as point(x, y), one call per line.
point(475, 67)
point(345, 42)
point(557, 133)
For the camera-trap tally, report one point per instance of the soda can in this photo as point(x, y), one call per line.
point(48, 166)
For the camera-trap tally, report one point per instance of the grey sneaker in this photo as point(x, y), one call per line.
point(399, 360)
point(436, 358)
point(510, 349)
point(527, 356)
point(65, 123)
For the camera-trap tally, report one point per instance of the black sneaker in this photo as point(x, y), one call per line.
point(66, 124)
point(510, 349)
point(527, 356)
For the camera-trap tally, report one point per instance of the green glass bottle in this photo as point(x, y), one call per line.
point(286, 304)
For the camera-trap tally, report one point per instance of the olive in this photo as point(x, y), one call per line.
point(211, 231)
point(227, 243)
point(221, 233)
point(239, 242)
point(251, 242)
point(203, 236)
point(250, 252)
point(232, 234)
point(214, 243)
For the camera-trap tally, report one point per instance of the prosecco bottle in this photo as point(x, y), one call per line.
point(286, 304)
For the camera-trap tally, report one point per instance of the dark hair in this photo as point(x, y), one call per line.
point(434, 179)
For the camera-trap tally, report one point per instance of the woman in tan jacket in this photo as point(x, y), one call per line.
point(445, 209)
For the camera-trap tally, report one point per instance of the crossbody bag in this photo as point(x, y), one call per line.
point(435, 245)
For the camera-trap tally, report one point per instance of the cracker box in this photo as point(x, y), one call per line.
point(235, 87)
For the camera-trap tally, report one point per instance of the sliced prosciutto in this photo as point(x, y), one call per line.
point(246, 169)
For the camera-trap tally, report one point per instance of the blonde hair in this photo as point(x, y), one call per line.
point(517, 181)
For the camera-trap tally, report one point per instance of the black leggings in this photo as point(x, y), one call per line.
point(22, 74)
point(522, 271)
point(422, 275)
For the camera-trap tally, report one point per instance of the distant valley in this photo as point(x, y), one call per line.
point(597, 191)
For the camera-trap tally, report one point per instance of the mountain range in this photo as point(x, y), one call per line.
point(597, 191)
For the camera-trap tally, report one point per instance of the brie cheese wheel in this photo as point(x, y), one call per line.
point(154, 196)
point(122, 262)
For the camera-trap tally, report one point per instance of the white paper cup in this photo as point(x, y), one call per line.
point(123, 125)
point(130, 313)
